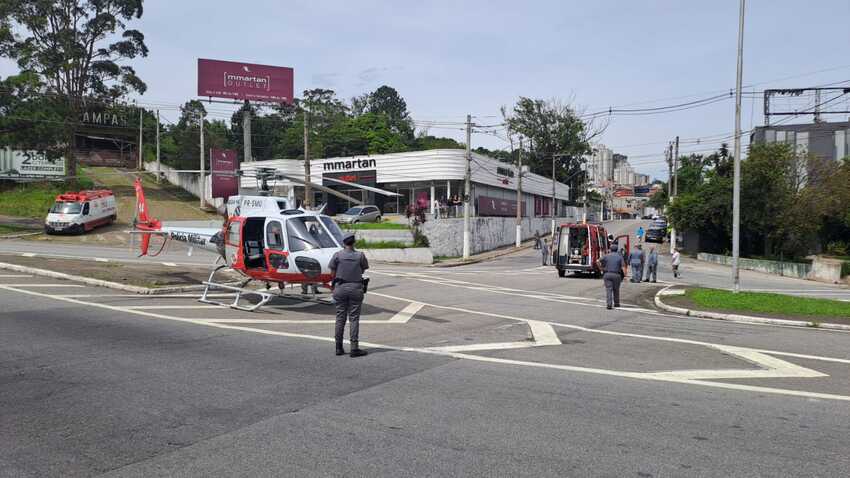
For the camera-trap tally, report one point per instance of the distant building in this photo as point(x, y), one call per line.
point(607, 169)
point(824, 140)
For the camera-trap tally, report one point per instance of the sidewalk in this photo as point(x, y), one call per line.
point(485, 256)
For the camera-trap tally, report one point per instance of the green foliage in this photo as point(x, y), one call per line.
point(431, 142)
point(765, 303)
point(553, 130)
point(34, 199)
point(420, 239)
point(75, 48)
point(363, 244)
point(660, 199)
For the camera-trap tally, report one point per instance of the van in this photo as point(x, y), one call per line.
point(77, 213)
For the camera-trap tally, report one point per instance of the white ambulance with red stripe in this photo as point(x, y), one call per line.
point(76, 213)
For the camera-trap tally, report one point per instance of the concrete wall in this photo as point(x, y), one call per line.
point(487, 233)
point(189, 182)
point(787, 269)
point(411, 255)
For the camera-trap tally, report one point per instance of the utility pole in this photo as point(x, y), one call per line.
point(668, 153)
point(518, 195)
point(202, 183)
point(675, 183)
point(676, 169)
point(736, 190)
point(553, 194)
point(246, 133)
point(140, 139)
point(466, 187)
point(308, 192)
point(158, 164)
point(584, 196)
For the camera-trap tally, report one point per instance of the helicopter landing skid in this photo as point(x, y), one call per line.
point(241, 290)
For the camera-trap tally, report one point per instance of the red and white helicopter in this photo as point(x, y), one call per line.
point(264, 238)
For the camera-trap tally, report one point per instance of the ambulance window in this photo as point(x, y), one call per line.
point(85, 208)
point(233, 233)
point(274, 235)
point(66, 207)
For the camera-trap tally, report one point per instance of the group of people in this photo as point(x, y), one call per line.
point(447, 207)
point(613, 266)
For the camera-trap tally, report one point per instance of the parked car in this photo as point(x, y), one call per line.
point(359, 214)
point(655, 234)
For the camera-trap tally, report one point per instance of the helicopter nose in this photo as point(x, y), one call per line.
point(311, 268)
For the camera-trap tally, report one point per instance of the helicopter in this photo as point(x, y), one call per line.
point(264, 238)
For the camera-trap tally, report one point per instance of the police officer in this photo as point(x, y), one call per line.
point(347, 268)
point(652, 264)
point(613, 269)
point(636, 261)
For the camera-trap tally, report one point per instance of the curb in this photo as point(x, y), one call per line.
point(743, 319)
point(100, 283)
point(18, 236)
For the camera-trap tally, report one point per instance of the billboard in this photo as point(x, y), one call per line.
point(25, 165)
point(225, 182)
point(490, 206)
point(245, 81)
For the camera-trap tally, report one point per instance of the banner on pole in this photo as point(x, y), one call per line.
point(225, 180)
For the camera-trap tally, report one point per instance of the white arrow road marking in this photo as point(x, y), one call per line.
point(496, 360)
point(772, 367)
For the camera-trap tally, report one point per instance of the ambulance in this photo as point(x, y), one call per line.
point(76, 213)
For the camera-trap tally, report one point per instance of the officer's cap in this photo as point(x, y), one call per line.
point(348, 238)
point(613, 247)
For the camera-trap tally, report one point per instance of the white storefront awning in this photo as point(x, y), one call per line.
point(417, 166)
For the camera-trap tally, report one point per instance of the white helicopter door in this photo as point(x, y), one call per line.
point(233, 244)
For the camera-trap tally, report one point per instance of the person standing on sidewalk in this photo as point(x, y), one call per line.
point(675, 262)
point(613, 270)
point(544, 251)
point(652, 265)
point(347, 268)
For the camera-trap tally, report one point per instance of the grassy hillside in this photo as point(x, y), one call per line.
point(165, 201)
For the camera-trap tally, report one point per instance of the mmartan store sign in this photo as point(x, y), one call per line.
point(349, 164)
point(245, 81)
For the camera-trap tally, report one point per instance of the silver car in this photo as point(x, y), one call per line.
point(359, 214)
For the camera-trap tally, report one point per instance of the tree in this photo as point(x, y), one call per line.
point(388, 102)
point(30, 120)
point(556, 132)
point(72, 46)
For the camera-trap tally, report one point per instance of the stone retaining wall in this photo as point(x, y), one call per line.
point(787, 269)
point(445, 236)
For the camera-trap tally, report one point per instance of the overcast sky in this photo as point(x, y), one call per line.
point(450, 58)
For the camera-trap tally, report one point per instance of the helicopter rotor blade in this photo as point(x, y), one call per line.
point(319, 187)
point(368, 188)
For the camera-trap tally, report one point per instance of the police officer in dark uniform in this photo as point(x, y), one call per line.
point(347, 267)
point(613, 271)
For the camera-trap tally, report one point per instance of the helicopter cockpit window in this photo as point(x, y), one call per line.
point(336, 232)
point(307, 233)
point(274, 235)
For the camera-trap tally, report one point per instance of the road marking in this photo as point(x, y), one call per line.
point(169, 264)
point(164, 307)
point(28, 254)
point(479, 358)
point(100, 259)
point(772, 367)
point(43, 285)
point(13, 276)
point(406, 313)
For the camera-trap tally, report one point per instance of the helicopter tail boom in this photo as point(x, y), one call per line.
point(143, 222)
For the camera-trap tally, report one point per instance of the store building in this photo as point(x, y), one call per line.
point(419, 177)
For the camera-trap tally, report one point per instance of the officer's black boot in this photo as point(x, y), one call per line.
point(339, 349)
point(356, 351)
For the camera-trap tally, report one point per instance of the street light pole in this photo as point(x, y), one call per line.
point(736, 191)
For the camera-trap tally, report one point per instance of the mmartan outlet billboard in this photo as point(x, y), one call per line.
point(245, 81)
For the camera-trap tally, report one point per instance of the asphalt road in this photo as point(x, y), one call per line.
point(493, 369)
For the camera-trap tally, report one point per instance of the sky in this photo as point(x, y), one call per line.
point(453, 58)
